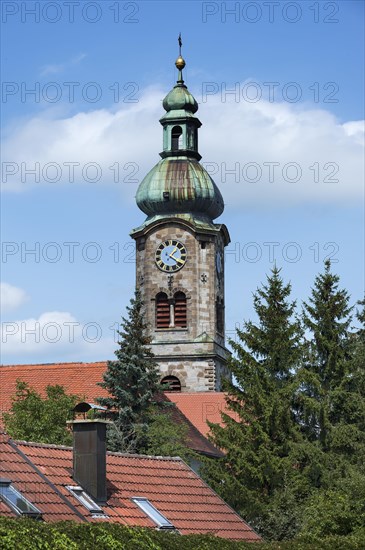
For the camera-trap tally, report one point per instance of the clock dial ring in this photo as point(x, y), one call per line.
point(170, 256)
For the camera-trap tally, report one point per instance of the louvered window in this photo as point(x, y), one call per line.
point(172, 383)
point(162, 311)
point(180, 310)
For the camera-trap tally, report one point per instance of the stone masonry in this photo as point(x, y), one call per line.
point(196, 355)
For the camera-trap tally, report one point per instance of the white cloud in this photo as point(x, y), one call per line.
point(55, 333)
point(11, 297)
point(265, 141)
point(355, 128)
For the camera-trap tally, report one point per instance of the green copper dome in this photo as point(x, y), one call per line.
point(179, 186)
point(180, 98)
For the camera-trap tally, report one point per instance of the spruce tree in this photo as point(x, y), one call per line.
point(358, 361)
point(131, 381)
point(326, 373)
point(350, 398)
point(331, 409)
point(259, 445)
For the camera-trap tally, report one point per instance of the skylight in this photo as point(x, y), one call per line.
point(86, 501)
point(16, 500)
point(152, 512)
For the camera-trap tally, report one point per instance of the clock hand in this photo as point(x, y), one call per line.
point(173, 252)
point(177, 259)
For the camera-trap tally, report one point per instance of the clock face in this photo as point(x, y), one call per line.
point(170, 256)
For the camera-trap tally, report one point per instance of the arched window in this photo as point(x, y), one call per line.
point(176, 138)
point(180, 310)
point(162, 311)
point(172, 382)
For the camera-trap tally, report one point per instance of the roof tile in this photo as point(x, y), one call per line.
point(168, 483)
point(200, 407)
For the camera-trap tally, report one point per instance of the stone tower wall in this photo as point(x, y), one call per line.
point(196, 354)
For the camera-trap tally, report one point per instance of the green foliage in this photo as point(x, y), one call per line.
point(164, 436)
point(26, 534)
point(356, 383)
point(324, 389)
point(295, 459)
point(43, 420)
point(141, 423)
point(294, 464)
point(339, 507)
point(329, 512)
point(131, 381)
point(260, 448)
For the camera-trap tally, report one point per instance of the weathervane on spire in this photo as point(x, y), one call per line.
point(180, 62)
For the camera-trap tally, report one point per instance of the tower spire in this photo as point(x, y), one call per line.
point(180, 63)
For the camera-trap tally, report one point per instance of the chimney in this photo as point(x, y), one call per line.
point(89, 457)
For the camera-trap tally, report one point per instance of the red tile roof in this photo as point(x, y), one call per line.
point(42, 472)
point(77, 378)
point(199, 407)
point(28, 481)
point(194, 438)
point(81, 379)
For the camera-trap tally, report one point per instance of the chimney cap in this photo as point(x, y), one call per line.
point(84, 407)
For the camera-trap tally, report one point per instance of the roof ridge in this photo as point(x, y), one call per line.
point(111, 453)
point(56, 364)
point(152, 457)
point(46, 445)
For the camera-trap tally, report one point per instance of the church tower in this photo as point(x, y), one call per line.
point(180, 253)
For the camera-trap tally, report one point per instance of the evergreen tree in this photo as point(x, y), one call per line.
point(131, 381)
point(259, 444)
point(331, 409)
point(350, 398)
point(358, 362)
point(325, 376)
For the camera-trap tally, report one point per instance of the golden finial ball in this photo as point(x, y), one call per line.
point(180, 63)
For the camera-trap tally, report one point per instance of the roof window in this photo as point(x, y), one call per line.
point(86, 501)
point(17, 501)
point(152, 512)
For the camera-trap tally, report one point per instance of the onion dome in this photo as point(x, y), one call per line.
point(179, 184)
point(180, 98)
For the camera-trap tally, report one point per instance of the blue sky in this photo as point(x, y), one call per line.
point(286, 150)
